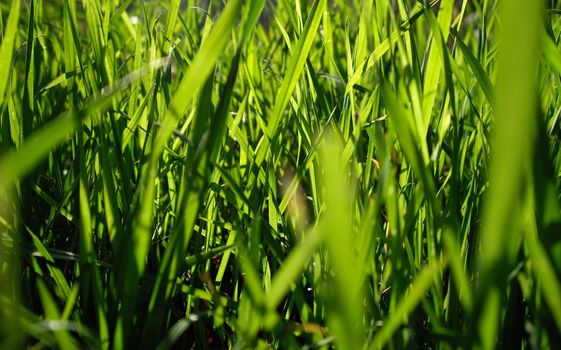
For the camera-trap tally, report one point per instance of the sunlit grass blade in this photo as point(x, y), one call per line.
point(207, 150)
point(383, 48)
point(172, 17)
point(295, 69)
point(7, 48)
point(410, 142)
point(15, 164)
point(478, 71)
point(435, 62)
point(197, 73)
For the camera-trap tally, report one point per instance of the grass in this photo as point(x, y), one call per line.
point(288, 174)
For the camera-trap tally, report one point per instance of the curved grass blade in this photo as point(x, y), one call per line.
point(409, 141)
point(476, 68)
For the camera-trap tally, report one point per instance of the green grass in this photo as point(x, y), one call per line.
point(280, 174)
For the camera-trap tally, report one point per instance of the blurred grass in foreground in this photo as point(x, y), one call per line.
point(253, 174)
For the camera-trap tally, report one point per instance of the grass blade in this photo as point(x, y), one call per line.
point(7, 49)
point(514, 141)
point(295, 68)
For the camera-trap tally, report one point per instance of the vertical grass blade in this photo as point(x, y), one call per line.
point(345, 297)
point(433, 69)
point(513, 144)
point(7, 49)
point(295, 68)
point(200, 69)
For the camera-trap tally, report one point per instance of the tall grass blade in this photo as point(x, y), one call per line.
point(295, 69)
point(7, 48)
point(513, 144)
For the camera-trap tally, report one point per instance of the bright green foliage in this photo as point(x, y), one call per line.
point(351, 174)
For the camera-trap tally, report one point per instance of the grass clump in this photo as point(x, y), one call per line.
point(289, 174)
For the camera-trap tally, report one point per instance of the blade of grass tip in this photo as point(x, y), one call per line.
point(295, 68)
point(7, 49)
point(71, 302)
point(174, 334)
point(513, 143)
point(62, 287)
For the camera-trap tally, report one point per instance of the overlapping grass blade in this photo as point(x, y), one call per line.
point(300, 174)
point(295, 69)
point(478, 71)
point(208, 148)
